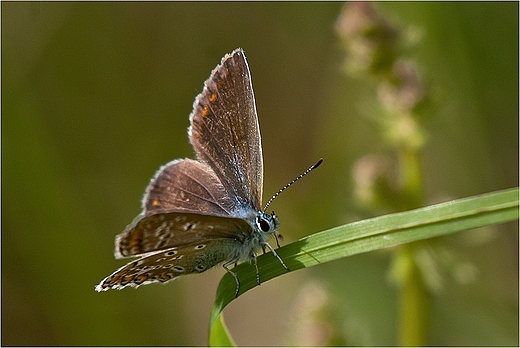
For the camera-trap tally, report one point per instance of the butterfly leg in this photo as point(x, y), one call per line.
point(277, 237)
point(226, 267)
point(275, 254)
point(253, 257)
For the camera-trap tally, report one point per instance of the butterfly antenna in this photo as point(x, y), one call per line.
point(314, 166)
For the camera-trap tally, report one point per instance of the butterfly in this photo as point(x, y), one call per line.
point(201, 213)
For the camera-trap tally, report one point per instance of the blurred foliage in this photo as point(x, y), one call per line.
point(96, 96)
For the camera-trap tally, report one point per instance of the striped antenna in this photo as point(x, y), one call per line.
point(314, 166)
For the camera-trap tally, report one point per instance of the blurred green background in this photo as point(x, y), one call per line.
point(96, 96)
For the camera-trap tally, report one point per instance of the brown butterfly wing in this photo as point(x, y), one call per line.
point(225, 133)
point(186, 185)
point(165, 265)
point(176, 229)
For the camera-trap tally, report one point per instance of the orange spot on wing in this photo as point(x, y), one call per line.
point(141, 278)
point(165, 277)
point(205, 111)
point(128, 278)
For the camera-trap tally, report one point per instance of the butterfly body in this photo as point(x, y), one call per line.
point(201, 213)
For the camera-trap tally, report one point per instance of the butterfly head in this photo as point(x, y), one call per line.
point(267, 223)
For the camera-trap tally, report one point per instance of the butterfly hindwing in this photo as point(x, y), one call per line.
point(186, 185)
point(175, 229)
point(165, 265)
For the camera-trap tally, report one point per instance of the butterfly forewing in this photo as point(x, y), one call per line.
point(225, 133)
point(175, 229)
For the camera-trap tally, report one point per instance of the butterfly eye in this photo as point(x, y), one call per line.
point(263, 224)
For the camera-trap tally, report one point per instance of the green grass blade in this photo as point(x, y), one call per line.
point(220, 336)
point(371, 234)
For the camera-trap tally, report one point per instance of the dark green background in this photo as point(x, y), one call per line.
point(96, 96)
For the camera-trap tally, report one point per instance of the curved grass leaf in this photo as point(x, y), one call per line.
point(364, 236)
point(220, 336)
